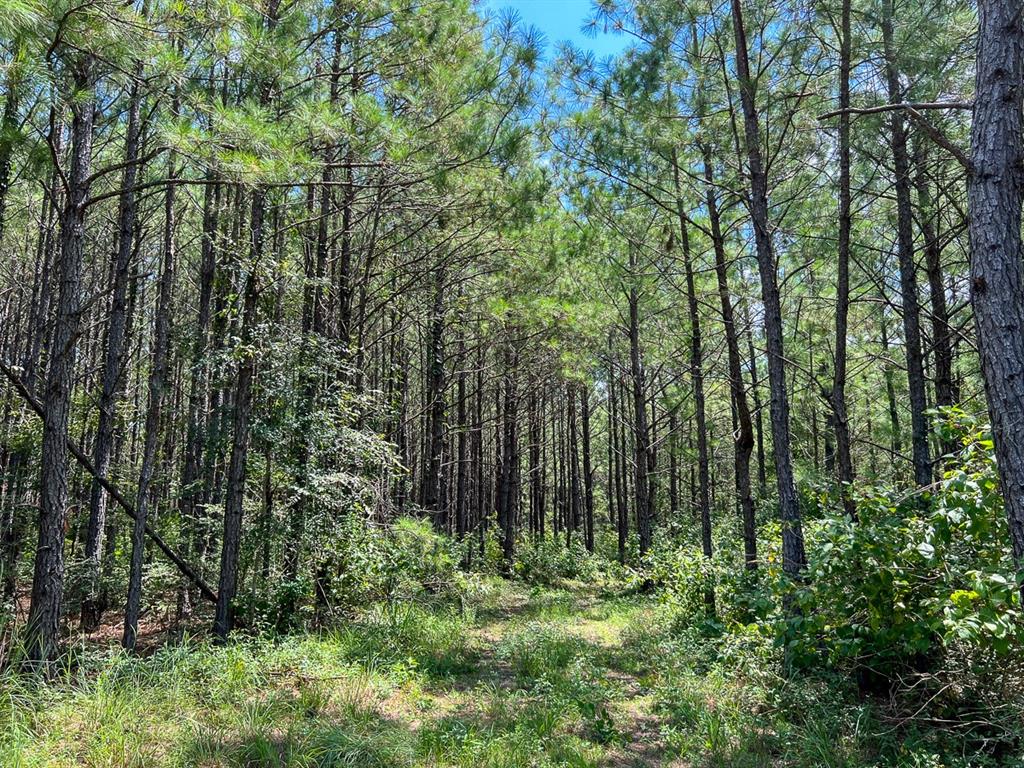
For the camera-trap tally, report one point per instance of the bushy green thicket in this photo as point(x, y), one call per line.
point(548, 561)
point(367, 563)
point(914, 575)
point(907, 622)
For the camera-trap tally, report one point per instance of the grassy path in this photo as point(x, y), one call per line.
point(513, 677)
point(578, 626)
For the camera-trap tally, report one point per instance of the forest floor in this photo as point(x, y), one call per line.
point(507, 676)
point(510, 676)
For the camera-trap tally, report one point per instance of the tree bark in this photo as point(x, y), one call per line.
point(198, 387)
point(588, 470)
point(640, 429)
point(942, 348)
point(840, 418)
point(995, 194)
point(697, 381)
point(433, 482)
point(508, 486)
point(908, 271)
point(43, 631)
point(743, 444)
point(234, 496)
point(157, 386)
point(794, 559)
point(113, 365)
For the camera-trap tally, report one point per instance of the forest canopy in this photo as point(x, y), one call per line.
point(350, 326)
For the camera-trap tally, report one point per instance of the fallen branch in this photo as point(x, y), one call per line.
point(116, 495)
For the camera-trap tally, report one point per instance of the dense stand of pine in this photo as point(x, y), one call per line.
point(268, 266)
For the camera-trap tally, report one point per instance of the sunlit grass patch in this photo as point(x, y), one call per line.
point(538, 650)
point(613, 681)
point(406, 640)
point(509, 729)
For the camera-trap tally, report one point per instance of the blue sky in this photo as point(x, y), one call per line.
point(561, 20)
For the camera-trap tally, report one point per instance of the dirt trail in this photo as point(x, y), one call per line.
point(632, 709)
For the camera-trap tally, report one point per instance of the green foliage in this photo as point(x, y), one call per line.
point(398, 562)
point(548, 561)
point(366, 564)
point(907, 616)
point(915, 576)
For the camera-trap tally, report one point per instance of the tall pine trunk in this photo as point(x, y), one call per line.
point(995, 195)
point(43, 632)
point(794, 558)
point(837, 397)
point(744, 432)
point(697, 381)
point(908, 270)
point(113, 363)
point(234, 495)
point(157, 386)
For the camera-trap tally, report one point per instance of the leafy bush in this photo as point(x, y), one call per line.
point(367, 563)
point(684, 577)
point(548, 561)
point(913, 577)
point(914, 601)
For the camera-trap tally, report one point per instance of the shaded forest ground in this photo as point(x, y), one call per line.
point(511, 675)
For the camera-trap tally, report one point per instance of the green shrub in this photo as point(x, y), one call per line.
point(548, 561)
point(366, 564)
point(913, 577)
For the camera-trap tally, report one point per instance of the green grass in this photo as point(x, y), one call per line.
point(511, 677)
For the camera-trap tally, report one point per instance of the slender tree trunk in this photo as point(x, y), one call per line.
point(794, 558)
point(234, 497)
point(840, 417)
point(157, 386)
point(533, 456)
point(697, 381)
point(615, 432)
point(673, 464)
point(510, 459)
point(575, 489)
point(588, 470)
point(198, 387)
point(43, 632)
point(462, 449)
point(114, 357)
point(641, 433)
point(478, 448)
point(433, 482)
point(945, 389)
point(267, 524)
point(908, 271)
point(743, 444)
